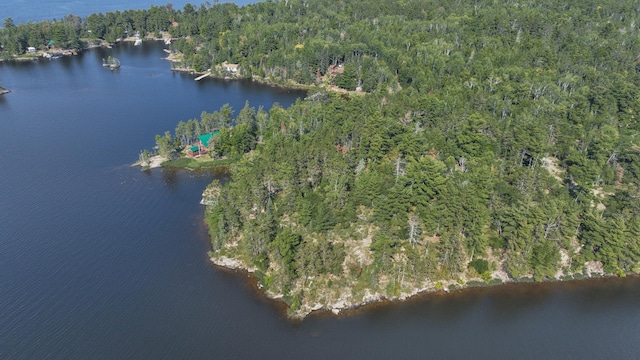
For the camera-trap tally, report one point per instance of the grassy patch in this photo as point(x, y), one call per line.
point(193, 164)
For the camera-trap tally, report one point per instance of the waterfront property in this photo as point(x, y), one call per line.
point(230, 68)
point(203, 144)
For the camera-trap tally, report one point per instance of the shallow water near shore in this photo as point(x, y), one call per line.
point(99, 260)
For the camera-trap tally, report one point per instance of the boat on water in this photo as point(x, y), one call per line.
point(138, 41)
point(111, 62)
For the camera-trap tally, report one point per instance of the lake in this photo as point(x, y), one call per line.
point(99, 260)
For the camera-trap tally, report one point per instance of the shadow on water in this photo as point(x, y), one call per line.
point(250, 284)
point(170, 177)
point(594, 294)
point(504, 302)
point(67, 63)
point(221, 173)
point(19, 64)
point(173, 177)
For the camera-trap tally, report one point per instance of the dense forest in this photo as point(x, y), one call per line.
point(487, 141)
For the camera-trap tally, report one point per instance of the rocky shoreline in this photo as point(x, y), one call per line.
point(346, 303)
point(151, 163)
point(340, 292)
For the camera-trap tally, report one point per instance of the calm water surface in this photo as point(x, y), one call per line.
point(99, 260)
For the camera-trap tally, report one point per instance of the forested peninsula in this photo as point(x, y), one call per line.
point(472, 143)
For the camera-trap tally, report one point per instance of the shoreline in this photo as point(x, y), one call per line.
point(174, 59)
point(153, 162)
point(275, 83)
point(54, 52)
point(344, 308)
point(88, 44)
point(183, 162)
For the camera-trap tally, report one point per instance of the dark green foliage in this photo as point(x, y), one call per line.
point(544, 260)
point(319, 257)
point(165, 145)
point(479, 265)
point(347, 79)
point(284, 245)
point(491, 124)
point(461, 154)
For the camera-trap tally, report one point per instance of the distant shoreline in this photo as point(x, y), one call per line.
point(87, 44)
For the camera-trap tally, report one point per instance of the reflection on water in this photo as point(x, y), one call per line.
point(171, 175)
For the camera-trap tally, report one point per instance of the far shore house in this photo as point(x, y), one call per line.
point(232, 68)
point(203, 145)
point(335, 70)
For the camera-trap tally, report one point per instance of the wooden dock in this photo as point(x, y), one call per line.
point(202, 76)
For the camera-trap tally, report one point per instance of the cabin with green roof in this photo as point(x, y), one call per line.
point(203, 145)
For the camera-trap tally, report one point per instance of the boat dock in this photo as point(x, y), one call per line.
point(202, 76)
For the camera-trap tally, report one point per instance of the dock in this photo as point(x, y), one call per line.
point(202, 76)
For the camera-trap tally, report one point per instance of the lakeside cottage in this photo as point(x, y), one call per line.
point(232, 68)
point(203, 145)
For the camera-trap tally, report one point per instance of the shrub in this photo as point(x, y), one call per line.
point(481, 266)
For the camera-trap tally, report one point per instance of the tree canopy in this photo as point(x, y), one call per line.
point(493, 137)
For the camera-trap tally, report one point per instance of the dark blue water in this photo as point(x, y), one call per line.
point(99, 260)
